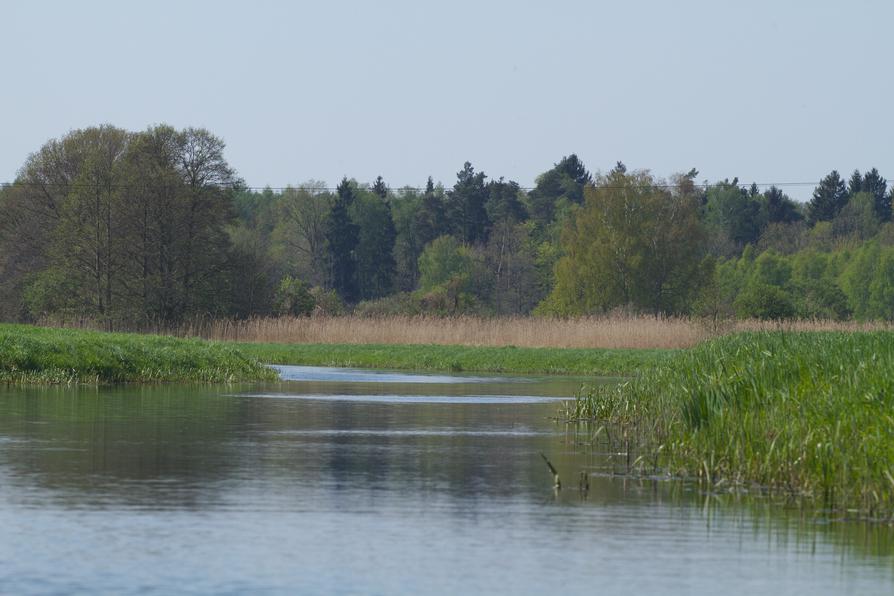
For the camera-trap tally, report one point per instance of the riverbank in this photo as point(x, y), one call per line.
point(483, 359)
point(67, 356)
point(807, 414)
point(36, 355)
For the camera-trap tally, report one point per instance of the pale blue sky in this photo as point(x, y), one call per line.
point(766, 91)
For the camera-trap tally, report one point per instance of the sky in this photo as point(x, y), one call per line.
point(771, 92)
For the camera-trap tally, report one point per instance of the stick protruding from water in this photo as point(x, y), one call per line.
point(557, 483)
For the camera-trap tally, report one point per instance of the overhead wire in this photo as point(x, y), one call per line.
point(314, 188)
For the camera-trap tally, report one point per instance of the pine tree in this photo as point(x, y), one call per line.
point(566, 180)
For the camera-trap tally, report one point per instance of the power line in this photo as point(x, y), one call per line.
point(280, 189)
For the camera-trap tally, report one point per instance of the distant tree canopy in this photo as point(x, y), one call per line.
point(563, 183)
point(634, 243)
point(133, 224)
point(155, 227)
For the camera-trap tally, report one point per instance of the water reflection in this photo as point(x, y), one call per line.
point(325, 486)
point(355, 375)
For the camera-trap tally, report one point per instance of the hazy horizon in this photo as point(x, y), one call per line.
point(765, 93)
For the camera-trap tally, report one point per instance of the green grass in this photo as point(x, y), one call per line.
point(558, 361)
point(63, 356)
point(41, 355)
point(808, 414)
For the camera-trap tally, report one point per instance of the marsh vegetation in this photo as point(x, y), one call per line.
point(804, 414)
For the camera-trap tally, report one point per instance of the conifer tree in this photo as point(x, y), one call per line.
point(855, 184)
point(780, 208)
point(566, 180)
point(875, 185)
point(430, 219)
point(341, 240)
point(374, 253)
point(465, 206)
point(829, 198)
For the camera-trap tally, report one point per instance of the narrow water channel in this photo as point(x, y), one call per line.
point(344, 482)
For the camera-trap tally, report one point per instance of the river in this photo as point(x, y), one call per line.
point(357, 482)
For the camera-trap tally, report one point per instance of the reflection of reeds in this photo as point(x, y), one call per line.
point(610, 331)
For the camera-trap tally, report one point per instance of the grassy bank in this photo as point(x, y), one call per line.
point(461, 358)
point(43, 355)
point(39, 355)
point(810, 414)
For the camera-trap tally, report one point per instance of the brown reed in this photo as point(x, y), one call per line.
point(610, 331)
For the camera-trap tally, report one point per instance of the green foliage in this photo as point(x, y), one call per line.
point(293, 297)
point(327, 302)
point(857, 278)
point(802, 413)
point(401, 303)
point(376, 235)
point(857, 220)
point(431, 216)
point(873, 184)
point(764, 301)
point(442, 262)
point(503, 204)
point(155, 227)
point(514, 281)
point(298, 237)
point(136, 223)
point(733, 215)
point(634, 243)
point(565, 182)
point(881, 289)
point(50, 291)
point(780, 208)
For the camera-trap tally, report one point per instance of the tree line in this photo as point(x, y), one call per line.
point(156, 227)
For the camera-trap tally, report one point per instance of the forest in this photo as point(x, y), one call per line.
point(156, 226)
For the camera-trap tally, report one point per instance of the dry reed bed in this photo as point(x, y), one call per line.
point(614, 331)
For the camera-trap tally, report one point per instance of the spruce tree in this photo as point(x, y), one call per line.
point(855, 184)
point(875, 185)
point(829, 198)
point(465, 206)
point(430, 219)
point(380, 188)
point(780, 208)
point(375, 247)
point(341, 240)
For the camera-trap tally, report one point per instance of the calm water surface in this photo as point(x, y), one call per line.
point(358, 482)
